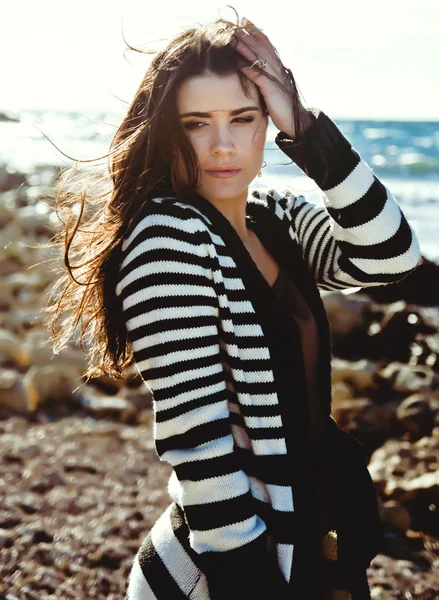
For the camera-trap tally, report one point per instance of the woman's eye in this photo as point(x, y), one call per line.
point(193, 124)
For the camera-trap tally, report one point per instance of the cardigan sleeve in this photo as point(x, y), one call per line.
point(170, 307)
point(360, 237)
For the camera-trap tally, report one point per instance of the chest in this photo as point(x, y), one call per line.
point(264, 261)
point(261, 343)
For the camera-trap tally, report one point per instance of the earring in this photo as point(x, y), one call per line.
point(264, 165)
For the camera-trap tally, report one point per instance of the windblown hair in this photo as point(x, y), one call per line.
point(141, 164)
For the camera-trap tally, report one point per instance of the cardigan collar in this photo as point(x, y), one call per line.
point(276, 239)
point(270, 312)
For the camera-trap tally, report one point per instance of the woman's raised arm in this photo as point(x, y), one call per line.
point(360, 237)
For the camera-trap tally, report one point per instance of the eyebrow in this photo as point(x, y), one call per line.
point(237, 111)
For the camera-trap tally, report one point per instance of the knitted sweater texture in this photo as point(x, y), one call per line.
point(199, 316)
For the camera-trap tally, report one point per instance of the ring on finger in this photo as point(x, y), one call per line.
point(260, 64)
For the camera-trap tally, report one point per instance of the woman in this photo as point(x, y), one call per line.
point(216, 293)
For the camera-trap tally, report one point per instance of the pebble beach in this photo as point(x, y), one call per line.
point(80, 483)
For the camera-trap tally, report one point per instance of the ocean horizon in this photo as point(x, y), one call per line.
point(403, 154)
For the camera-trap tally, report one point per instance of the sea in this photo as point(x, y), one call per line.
point(404, 155)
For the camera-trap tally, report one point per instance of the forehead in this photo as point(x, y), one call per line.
point(214, 93)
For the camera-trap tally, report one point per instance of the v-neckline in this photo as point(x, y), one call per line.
point(268, 307)
point(235, 245)
point(276, 239)
point(276, 281)
point(250, 225)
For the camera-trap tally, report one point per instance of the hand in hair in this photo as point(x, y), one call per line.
point(255, 45)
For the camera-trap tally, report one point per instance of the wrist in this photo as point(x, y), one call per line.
point(307, 118)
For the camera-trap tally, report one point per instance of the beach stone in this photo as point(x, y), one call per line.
point(13, 395)
point(396, 515)
point(425, 351)
point(87, 483)
point(341, 391)
point(39, 352)
point(408, 379)
point(5, 215)
point(34, 221)
point(408, 472)
point(360, 375)
point(102, 405)
point(6, 117)
point(346, 411)
point(11, 179)
point(416, 288)
point(391, 336)
point(44, 383)
point(371, 423)
point(345, 313)
point(11, 348)
point(418, 412)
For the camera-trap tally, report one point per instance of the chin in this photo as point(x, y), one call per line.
point(222, 190)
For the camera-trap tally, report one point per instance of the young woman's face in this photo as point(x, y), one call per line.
point(222, 139)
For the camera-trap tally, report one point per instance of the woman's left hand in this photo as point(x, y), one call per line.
point(254, 45)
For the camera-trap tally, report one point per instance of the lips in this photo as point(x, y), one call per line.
point(223, 169)
point(224, 173)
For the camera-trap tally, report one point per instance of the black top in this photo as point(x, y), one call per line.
point(296, 308)
point(288, 293)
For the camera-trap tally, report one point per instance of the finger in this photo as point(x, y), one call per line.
point(258, 33)
point(246, 50)
point(253, 74)
point(256, 44)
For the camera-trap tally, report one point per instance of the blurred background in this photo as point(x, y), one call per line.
point(81, 484)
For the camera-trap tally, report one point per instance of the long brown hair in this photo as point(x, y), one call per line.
point(141, 163)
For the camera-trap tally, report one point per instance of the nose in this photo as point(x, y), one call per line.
point(222, 141)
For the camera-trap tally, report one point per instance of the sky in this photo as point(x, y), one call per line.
point(376, 59)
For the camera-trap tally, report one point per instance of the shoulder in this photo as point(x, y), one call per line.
point(165, 217)
point(278, 201)
point(166, 237)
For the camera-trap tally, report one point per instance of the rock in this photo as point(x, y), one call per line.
point(425, 351)
point(408, 472)
point(46, 383)
point(11, 348)
point(393, 332)
point(409, 379)
point(359, 374)
point(397, 547)
point(38, 352)
point(12, 393)
point(386, 333)
point(35, 220)
point(396, 515)
point(372, 424)
point(108, 557)
point(345, 313)
point(346, 412)
point(418, 413)
point(416, 288)
point(103, 406)
point(11, 179)
point(140, 398)
point(5, 215)
point(4, 116)
point(341, 391)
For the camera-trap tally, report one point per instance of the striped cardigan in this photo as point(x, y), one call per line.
point(208, 341)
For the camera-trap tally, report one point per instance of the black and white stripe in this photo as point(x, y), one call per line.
point(199, 347)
